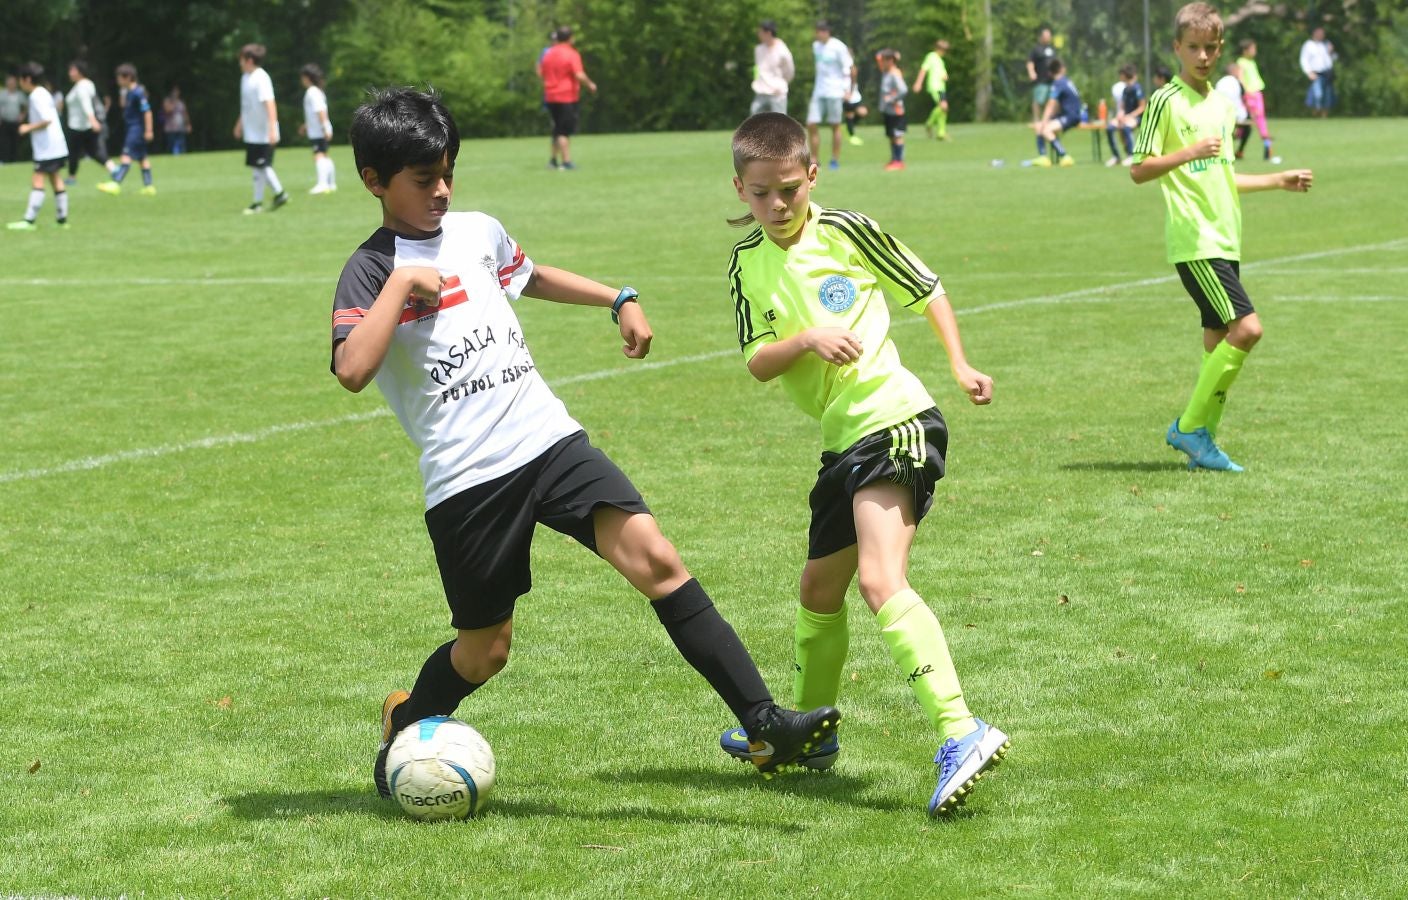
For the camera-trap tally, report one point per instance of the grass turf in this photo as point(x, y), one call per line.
point(214, 564)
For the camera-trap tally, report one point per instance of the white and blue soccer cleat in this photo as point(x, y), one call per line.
point(962, 762)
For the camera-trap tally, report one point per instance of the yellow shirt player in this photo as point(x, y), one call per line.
point(808, 286)
point(1185, 141)
point(934, 71)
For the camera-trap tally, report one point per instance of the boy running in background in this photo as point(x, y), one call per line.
point(892, 91)
point(317, 127)
point(50, 150)
point(1185, 143)
point(808, 287)
point(137, 118)
point(258, 126)
point(424, 308)
point(1062, 113)
point(1252, 87)
point(933, 71)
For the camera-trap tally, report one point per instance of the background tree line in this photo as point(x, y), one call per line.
point(665, 64)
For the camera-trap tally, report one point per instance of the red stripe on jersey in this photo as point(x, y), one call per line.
point(347, 316)
point(452, 294)
point(513, 266)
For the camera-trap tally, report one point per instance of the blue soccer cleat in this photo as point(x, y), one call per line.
point(823, 756)
point(961, 763)
point(1202, 452)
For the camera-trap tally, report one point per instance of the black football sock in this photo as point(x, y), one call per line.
point(710, 644)
point(438, 691)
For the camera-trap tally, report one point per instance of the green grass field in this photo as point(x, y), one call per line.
point(213, 564)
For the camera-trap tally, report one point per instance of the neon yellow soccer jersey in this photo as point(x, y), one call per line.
point(837, 274)
point(1204, 219)
point(936, 81)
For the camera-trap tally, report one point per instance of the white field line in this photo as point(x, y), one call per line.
point(1093, 294)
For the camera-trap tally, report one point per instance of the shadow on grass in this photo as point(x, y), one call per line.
point(1125, 465)
point(271, 805)
point(838, 788)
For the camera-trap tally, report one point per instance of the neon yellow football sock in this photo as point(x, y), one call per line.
point(917, 646)
point(821, 641)
point(1220, 369)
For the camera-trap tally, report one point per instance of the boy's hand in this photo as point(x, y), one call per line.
point(1207, 148)
point(424, 284)
point(975, 384)
point(838, 346)
point(635, 331)
point(1296, 180)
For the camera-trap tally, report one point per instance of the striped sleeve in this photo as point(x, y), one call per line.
point(902, 274)
point(360, 283)
point(751, 327)
point(1153, 126)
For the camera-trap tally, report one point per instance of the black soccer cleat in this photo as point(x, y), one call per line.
point(785, 734)
point(280, 199)
point(388, 731)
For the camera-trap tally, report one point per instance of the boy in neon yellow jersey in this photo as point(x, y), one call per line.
point(934, 71)
point(1185, 142)
point(808, 286)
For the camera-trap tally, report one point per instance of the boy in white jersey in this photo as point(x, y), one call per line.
point(423, 307)
point(258, 127)
point(46, 138)
point(808, 286)
point(317, 127)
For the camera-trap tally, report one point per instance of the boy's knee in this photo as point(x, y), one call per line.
point(1244, 333)
point(878, 586)
point(659, 560)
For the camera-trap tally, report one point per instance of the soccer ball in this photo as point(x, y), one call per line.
point(440, 768)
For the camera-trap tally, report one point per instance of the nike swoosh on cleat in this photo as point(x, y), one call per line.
point(765, 753)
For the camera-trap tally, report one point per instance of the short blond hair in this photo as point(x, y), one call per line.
point(1197, 16)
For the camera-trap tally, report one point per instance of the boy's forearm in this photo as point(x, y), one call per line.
point(773, 359)
point(1158, 166)
point(562, 286)
point(1250, 184)
point(359, 357)
point(941, 319)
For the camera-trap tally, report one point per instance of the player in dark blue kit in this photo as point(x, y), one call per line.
point(1063, 112)
point(137, 118)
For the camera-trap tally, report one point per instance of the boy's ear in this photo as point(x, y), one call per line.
point(372, 183)
point(738, 186)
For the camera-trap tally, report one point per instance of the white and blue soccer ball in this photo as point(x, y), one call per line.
point(440, 768)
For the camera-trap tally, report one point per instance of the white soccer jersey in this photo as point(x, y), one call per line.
point(255, 90)
point(315, 102)
point(458, 377)
point(48, 142)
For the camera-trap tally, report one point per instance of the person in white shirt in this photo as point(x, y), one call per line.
point(317, 127)
point(258, 126)
point(835, 80)
point(1317, 61)
point(85, 133)
point(46, 137)
point(773, 70)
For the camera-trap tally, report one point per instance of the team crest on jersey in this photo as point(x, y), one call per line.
point(837, 293)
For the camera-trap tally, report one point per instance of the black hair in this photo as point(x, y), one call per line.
point(82, 66)
point(255, 52)
point(769, 26)
point(400, 127)
point(127, 70)
point(1164, 72)
point(313, 72)
point(1054, 66)
point(31, 70)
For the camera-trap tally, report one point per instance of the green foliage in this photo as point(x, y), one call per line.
point(664, 64)
point(215, 564)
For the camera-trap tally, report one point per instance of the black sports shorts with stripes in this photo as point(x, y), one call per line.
point(1216, 286)
point(910, 453)
point(483, 534)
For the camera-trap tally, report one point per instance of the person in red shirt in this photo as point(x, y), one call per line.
point(563, 77)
